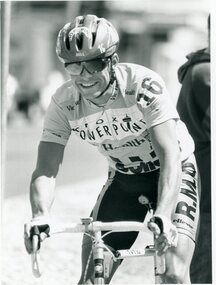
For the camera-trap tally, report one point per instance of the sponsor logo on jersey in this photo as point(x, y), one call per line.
point(133, 143)
point(137, 164)
point(109, 130)
point(111, 124)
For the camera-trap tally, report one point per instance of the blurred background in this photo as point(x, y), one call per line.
point(157, 34)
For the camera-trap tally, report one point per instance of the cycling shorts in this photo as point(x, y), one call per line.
point(123, 199)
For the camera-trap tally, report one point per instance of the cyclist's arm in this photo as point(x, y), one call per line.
point(167, 149)
point(50, 156)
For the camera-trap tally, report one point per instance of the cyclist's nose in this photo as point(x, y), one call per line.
point(85, 72)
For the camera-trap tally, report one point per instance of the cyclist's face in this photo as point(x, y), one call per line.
point(89, 82)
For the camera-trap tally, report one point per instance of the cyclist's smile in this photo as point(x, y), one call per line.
point(88, 85)
point(91, 86)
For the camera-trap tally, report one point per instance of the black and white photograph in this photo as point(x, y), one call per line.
point(106, 142)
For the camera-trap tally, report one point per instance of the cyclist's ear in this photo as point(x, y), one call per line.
point(115, 59)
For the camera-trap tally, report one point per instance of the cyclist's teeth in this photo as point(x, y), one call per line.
point(87, 84)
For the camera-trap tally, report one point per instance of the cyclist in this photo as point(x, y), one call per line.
point(125, 110)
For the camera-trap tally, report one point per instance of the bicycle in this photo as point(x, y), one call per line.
point(99, 249)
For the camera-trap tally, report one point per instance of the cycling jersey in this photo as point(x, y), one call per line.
point(120, 129)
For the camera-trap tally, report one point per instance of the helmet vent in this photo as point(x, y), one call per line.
point(67, 42)
point(93, 38)
point(79, 41)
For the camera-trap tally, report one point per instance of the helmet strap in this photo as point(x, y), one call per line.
point(114, 59)
point(110, 82)
point(112, 76)
point(112, 79)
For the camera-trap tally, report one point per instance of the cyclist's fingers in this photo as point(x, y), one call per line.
point(162, 250)
point(162, 244)
point(43, 236)
point(159, 243)
point(27, 239)
point(28, 245)
point(27, 228)
point(153, 227)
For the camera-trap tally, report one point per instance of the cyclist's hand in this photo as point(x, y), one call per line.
point(165, 232)
point(37, 226)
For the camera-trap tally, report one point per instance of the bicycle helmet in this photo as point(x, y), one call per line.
point(87, 37)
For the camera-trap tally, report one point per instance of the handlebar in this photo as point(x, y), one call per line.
point(96, 226)
point(87, 225)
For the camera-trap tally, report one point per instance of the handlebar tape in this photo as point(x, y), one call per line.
point(37, 230)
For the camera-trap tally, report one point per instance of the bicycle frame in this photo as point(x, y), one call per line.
point(94, 229)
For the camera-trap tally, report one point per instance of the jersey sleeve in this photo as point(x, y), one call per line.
point(56, 126)
point(155, 102)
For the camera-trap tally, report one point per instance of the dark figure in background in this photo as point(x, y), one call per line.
point(194, 109)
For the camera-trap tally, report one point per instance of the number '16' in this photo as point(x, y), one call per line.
point(152, 86)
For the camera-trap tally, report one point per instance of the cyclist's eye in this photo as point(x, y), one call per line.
point(74, 68)
point(97, 65)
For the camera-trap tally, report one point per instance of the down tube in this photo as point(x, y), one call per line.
point(98, 256)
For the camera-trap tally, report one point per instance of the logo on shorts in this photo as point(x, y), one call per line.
point(188, 204)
